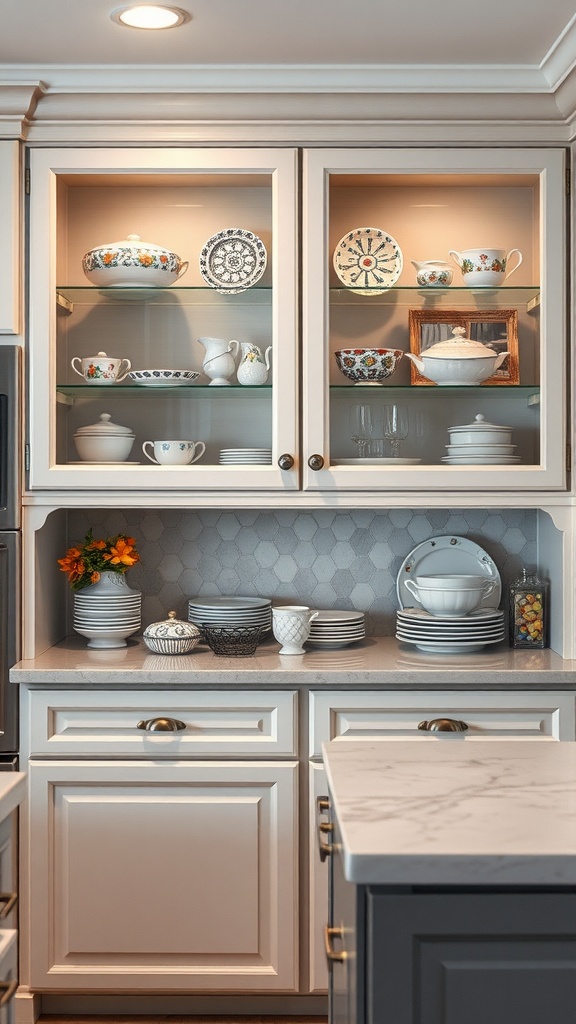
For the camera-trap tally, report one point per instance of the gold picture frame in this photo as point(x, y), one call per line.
point(496, 328)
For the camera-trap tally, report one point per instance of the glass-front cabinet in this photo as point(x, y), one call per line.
point(145, 265)
point(454, 263)
point(165, 312)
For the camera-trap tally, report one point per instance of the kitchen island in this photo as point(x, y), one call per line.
point(453, 882)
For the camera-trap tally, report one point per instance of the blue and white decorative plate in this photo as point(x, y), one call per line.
point(233, 260)
point(368, 260)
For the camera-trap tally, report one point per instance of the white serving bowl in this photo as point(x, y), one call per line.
point(101, 448)
point(453, 582)
point(132, 263)
point(446, 602)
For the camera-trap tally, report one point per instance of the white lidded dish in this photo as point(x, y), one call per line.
point(104, 441)
point(480, 432)
point(132, 263)
point(458, 361)
point(171, 636)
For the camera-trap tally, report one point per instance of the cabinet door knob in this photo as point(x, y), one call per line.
point(286, 461)
point(316, 462)
point(443, 725)
point(161, 725)
point(329, 935)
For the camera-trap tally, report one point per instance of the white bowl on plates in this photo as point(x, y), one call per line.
point(480, 449)
point(448, 602)
point(454, 581)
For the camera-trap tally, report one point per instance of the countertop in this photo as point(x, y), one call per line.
point(373, 663)
point(447, 812)
point(12, 792)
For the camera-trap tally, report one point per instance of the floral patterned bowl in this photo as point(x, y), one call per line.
point(132, 263)
point(368, 365)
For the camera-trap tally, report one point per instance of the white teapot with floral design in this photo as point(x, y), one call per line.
point(253, 366)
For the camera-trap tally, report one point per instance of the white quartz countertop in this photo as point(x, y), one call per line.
point(448, 812)
point(374, 662)
point(12, 792)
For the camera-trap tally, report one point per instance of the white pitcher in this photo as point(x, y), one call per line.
point(219, 361)
point(253, 366)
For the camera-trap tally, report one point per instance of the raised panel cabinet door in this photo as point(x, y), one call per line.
point(171, 877)
point(498, 957)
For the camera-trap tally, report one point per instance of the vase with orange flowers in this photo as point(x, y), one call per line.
point(106, 609)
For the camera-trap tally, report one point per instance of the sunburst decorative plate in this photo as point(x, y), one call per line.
point(233, 260)
point(368, 260)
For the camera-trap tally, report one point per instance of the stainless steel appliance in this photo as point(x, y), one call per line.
point(10, 549)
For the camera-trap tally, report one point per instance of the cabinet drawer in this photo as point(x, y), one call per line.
point(393, 715)
point(215, 722)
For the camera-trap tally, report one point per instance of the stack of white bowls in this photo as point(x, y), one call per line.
point(230, 611)
point(107, 620)
point(449, 616)
point(480, 444)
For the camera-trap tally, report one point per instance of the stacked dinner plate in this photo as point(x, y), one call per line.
point(231, 611)
point(438, 634)
point(336, 629)
point(245, 456)
point(108, 619)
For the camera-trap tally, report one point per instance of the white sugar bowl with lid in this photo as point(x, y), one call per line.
point(480, 432)
point(458, 361)
point(171, 636)
point(132, 263)
point(104, 441)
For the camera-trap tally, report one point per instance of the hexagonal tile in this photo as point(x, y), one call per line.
point(228, 526)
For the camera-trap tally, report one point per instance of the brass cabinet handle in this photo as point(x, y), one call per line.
point(161, 725)
point(316, 462)
point(9, 901)
point(331, 954)
point(286, 461)
point(324, 849)
point(443, 725)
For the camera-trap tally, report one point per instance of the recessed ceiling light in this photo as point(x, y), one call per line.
point(150, 16)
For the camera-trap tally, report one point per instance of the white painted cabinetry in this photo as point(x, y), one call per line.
point(161, 861)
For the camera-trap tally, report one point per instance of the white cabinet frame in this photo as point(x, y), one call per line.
point(10, 231)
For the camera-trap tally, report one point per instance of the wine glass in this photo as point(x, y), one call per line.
point(361, 426)
point(395, 426)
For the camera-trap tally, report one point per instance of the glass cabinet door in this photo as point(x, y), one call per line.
point(454, 263)
point(229, 218)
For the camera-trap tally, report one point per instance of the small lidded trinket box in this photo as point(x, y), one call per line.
point(171, 636)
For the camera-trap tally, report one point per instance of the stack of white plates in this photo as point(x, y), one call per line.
point(245, 456)
point(438, 634)
point(230, 611)
point(336, 629)
point(107, 620)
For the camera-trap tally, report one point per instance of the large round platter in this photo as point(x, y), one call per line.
point(368, 260)
point(448, 555)
point(233, 260)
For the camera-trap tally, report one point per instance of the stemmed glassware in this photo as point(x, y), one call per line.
point(395, 426)
point(361, 426)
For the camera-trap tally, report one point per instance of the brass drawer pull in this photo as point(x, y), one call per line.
point(324, 849)
point(161, 725)
point(331, 954)
point(7, 990)
point(443, 725)
point(9, 901)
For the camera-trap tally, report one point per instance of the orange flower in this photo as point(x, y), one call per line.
point(97, 545)
point(122, 553)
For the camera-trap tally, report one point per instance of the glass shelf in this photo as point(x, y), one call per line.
point(531, 392)
point(439, 298)
point(67, 296)
point(185, 391)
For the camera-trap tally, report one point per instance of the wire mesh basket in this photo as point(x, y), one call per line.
point(235, 641)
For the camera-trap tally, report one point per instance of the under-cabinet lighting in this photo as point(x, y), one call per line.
point(150, 16)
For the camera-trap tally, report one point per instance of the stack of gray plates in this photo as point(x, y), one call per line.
point(438, 634)
point(231, 611)
point(335, 628)
point(108, 619)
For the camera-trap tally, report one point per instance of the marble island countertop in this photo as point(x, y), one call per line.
point(447, 812)
point(374, 662)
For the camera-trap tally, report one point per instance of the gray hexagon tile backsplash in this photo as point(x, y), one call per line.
point(325, 559)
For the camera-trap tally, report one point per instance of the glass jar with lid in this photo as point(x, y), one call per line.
point(528, 607)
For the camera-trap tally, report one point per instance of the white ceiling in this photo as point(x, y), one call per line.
point(450, 33)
